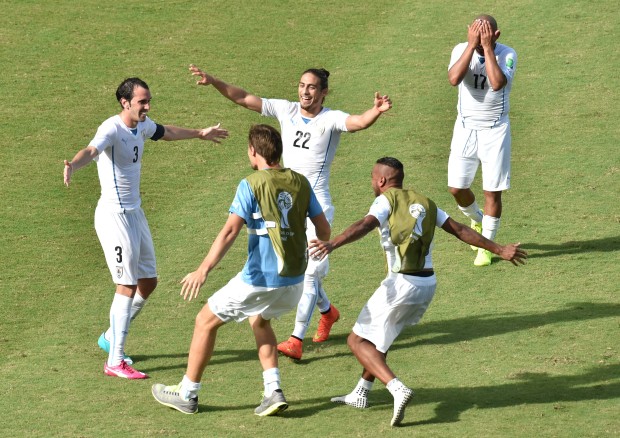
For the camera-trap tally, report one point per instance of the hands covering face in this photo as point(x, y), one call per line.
point(480, 34)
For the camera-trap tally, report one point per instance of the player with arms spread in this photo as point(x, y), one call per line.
point(310, 135)
point(407, 221)
point(483, 70)
point(119, 219)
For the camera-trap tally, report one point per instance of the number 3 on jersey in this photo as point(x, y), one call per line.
point(302, 140)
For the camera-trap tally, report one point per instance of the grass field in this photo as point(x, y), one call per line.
point(503, 351)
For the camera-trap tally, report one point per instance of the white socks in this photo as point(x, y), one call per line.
point(363, 388)
point(305, 307)
point(188, 388)
point(119, 326)
point(271, 380)
point(358, 398)
point(472, 211)
point(136, 306)
point(490, 225)
point(394, 386)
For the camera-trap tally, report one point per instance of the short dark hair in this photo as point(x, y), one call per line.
point(320, 73)
point(267, 142)
point(394, 164)
point(125, 89)
point(490, 19)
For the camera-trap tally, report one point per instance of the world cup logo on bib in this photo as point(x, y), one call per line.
point(285, 203)
point(418, 212)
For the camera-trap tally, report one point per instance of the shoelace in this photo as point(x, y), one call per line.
point(174, 390)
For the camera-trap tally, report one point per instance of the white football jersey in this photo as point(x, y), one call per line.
point(309, 144)
point(478, 105)
point(119, 162)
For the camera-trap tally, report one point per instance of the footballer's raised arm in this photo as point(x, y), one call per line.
point(231, 92)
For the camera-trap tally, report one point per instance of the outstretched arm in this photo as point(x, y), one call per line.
point(193, 281)
point(459, 69)
point(231, 92)
point(363, 121)
point(213, 133)
point(81, 159)
point(319, 249)
point(512, 252)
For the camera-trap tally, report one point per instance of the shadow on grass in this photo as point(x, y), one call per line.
point(528, 389)
point(219, 357)
point(481, 326)
point(432, 333)
point(607, 244)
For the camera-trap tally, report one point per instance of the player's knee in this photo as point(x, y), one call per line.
point(206, 320)
point(146, 286)
point(353, 342)
point(454, 191)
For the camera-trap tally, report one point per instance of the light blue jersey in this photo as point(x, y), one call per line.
point(261, 268)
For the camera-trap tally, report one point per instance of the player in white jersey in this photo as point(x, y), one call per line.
point(483, 70)
point(404, 295)
point(311, 135)
point(119, 220)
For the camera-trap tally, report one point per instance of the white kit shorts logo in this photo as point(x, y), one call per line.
point(119, 272)
point(285, 203)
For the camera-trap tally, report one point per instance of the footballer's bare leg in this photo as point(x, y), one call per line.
point(493, 204)
point(463, 197)
point(203, 343)
point(372, 360)
point(265, 342)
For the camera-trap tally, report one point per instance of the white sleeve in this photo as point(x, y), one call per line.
point(456, 54)
point(275, 107)
point(508, 64)
point(380, 209)
point(104, 138)
point(149, 127)
point(442, 217)
point(340, 120)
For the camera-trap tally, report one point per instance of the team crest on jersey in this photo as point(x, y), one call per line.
point(285, 203)
point(119, 272)
point(510, 63)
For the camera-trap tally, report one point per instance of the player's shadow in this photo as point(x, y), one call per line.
point(607, 244)
point(474, 327)
point(220, 357)
point(599, 383)
point(431, 333)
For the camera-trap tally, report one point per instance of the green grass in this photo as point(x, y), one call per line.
point(502, 351)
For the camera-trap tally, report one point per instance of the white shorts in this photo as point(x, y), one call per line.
point(320, 268)
point(238, 300)
point(127, 245)
point(400, 301)
point(489, 147)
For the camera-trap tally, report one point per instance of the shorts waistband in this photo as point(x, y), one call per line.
point(420, 273)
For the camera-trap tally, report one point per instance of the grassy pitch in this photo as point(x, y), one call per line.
point(502, 351)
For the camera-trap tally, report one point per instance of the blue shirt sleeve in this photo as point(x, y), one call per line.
point(314, 209)
point(244, 203)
